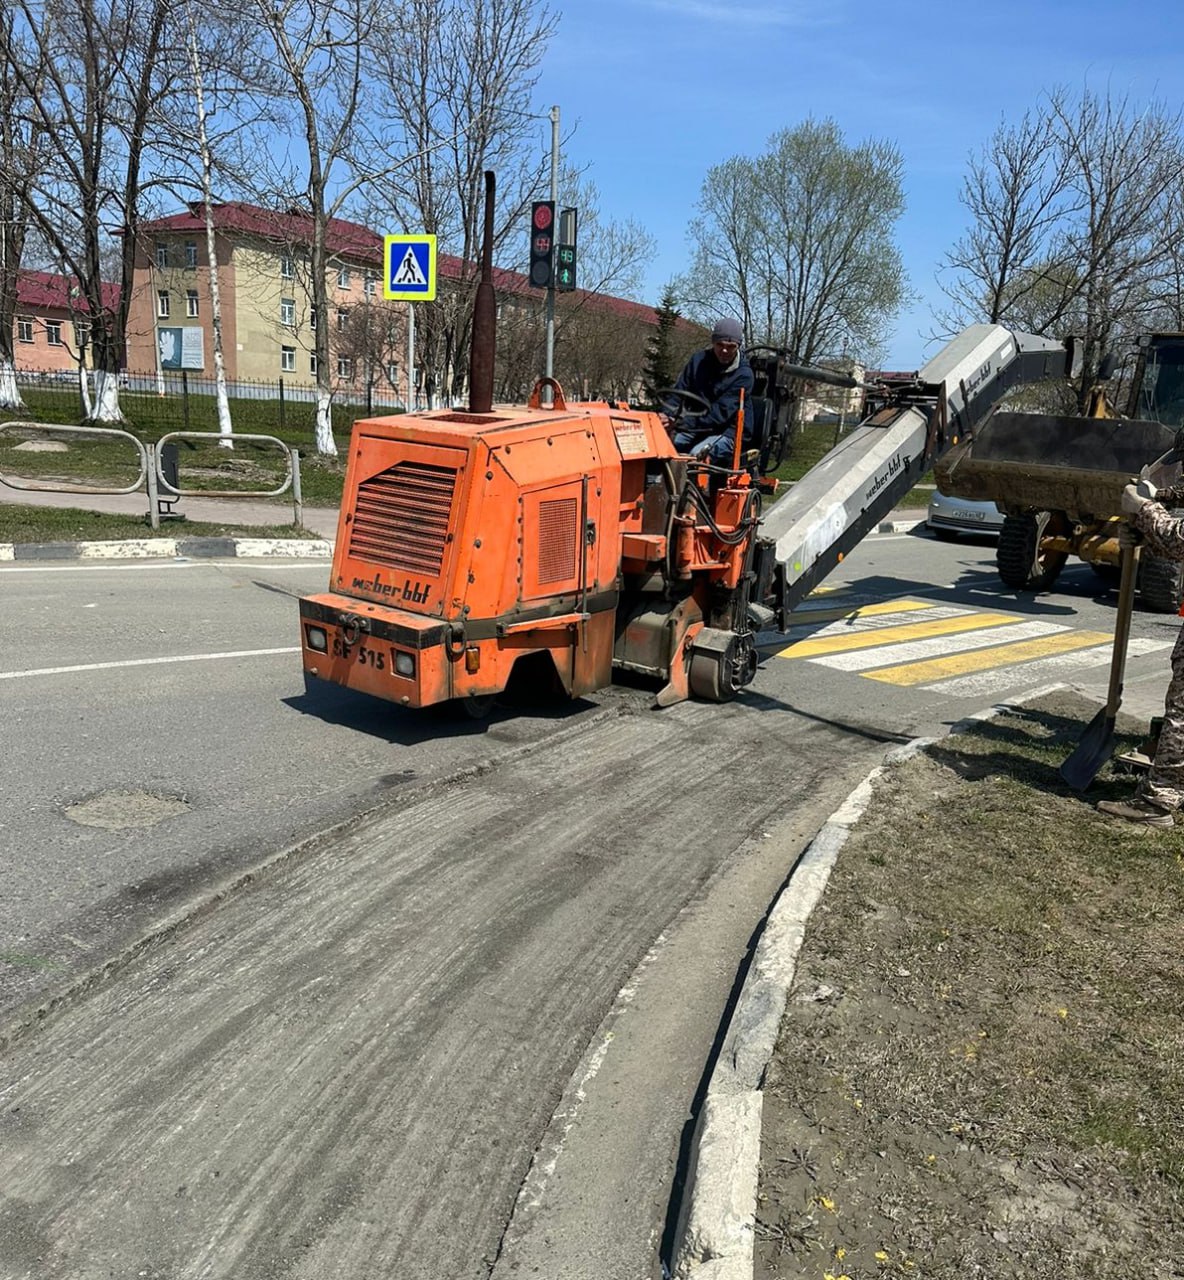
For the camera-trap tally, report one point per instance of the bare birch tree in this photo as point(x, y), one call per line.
point(19, 139)
point(1074, 215)
point(460, 75)
point(97, 84)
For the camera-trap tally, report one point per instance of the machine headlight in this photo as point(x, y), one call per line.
point(405, 664)
point(317, 639)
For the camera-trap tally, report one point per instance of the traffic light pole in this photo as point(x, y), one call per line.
point(551, 286)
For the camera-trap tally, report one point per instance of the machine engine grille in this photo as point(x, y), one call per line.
point(401, 518)
point(557, 540)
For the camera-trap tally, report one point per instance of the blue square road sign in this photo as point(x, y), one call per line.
point(409, 268)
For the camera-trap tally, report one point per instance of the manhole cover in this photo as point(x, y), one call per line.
point(116, 810)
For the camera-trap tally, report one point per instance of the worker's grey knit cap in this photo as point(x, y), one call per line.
point(727, 330)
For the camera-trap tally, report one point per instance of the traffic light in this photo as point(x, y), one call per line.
point(542, 244)
point(565, 252)
point(565, 268)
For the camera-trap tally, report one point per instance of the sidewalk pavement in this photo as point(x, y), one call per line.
point(171, 540)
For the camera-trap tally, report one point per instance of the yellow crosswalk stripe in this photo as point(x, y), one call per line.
point(981, 659)
point(890, 635)
point(809, 617)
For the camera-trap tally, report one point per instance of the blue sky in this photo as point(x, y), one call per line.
point(661, 90)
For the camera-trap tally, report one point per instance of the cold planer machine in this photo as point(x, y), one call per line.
point(551, 544)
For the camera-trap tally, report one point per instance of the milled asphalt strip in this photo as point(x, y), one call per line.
point(16, 1023)
point(716, 1231)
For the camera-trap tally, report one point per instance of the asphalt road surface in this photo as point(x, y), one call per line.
point(457, 1035)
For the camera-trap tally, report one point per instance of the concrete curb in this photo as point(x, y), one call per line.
point(900, 526)
point(167, 549)
point(716, 1233)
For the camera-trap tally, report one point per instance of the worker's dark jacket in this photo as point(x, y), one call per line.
point(720, 385)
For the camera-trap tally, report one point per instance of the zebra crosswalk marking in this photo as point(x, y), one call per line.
point(980, 659)
point(1041, 671)
point(865, 638)
point(921, 650)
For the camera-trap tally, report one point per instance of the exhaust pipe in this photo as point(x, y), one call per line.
point(481, 354)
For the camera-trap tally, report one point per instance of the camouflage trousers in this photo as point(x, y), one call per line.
point(1164, 784)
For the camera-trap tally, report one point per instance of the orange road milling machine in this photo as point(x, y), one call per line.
point(546, 546)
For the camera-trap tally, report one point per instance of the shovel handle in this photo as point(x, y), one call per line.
point(1122, 627)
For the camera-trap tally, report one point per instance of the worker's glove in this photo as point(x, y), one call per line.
point(1132, 500)
point(1145, 489)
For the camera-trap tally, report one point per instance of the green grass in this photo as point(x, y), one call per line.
point(1009, 1014)
point(24, 524)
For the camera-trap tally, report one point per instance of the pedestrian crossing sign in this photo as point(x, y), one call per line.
point(409, 273)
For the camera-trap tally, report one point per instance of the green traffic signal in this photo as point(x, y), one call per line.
point(565, 267)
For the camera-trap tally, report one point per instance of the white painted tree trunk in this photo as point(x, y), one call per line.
point(84, 392)
point(324, 437)
point(106, 407)
point(10, 393)
point(225, 426)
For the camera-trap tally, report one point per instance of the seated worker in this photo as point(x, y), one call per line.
point(716, 374)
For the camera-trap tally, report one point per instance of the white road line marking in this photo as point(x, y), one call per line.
point(1042, 669)
point(917, 650)
point(146, 662)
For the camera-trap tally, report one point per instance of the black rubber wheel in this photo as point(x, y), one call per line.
point(1021, 563)
point(1160, 584)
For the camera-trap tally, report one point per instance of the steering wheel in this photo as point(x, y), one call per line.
point(684, 402)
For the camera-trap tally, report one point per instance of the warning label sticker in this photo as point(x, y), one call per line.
point(631, 436)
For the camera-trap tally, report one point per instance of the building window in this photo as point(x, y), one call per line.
point(343, 277)
point(345, 367)
point(312, 318)
point(288, 311)
point(392, 373)
point(342, 319)
point(162, 303)
point(162, 256)
point(81, 334)
point(371, 284)
point(191, 302)
point(24, 328)
point(288, 359)
point(287, 266)
point(312, 363)
point(53, 332)
point(191, 253)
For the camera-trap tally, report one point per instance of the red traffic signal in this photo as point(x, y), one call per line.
point(542, 244)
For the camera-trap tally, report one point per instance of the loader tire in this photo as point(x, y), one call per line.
point(1160, 584)
point(1021, 563)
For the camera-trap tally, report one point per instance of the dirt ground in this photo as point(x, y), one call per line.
point(981, 1068)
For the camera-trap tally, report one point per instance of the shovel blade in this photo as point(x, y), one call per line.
point(1094, 748)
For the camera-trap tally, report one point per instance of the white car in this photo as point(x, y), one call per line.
point(949, 517)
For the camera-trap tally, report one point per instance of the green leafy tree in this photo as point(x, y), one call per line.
point(798, 242)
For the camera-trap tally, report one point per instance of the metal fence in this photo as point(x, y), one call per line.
point(183, 400)
point(156, 466)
